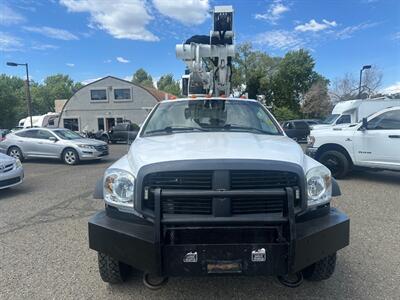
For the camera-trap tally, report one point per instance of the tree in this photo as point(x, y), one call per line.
point(12, 101)
point(57, 86)
point(167, 84)
point(317, 102)
point(294, 77)
point(143, 78)
point(346, 88)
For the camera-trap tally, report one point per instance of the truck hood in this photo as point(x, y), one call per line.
point(213, 145)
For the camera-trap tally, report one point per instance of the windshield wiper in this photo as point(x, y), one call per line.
point(248, 128)
point(171, 129)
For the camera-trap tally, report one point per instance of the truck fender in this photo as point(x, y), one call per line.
point(98, 190)
point(335, 188)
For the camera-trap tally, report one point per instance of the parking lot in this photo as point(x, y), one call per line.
point(44, 251)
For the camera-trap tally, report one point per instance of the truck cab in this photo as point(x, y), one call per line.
point(372, 143)
point(213, 186)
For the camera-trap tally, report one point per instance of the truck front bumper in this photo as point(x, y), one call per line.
point(136, 244)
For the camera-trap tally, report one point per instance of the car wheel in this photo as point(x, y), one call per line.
point(336, 162)
point(322, 269)
point(112, 270)
point(15, 152)
point(70, 157)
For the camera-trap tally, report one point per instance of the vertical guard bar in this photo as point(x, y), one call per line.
point(157, 229)
point(292, 226)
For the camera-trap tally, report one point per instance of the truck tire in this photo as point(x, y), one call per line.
point(336, 162)
point(112, 270)
point(322, 269)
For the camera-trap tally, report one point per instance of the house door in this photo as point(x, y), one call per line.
point(110, 123)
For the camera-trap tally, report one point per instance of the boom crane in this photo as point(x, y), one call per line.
point(209, 58)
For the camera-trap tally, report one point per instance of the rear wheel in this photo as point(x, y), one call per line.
point(336, 162)
point(70, 157)
point(15, 152)
point(112, 270)
point(322, 269)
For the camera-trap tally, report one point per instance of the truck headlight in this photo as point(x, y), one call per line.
point(18, 163)
point(119, 187)
point(319, 186)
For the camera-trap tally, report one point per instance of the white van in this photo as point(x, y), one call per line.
point(352, 111)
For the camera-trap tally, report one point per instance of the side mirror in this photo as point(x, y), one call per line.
point(53, 139)
point(364, 125)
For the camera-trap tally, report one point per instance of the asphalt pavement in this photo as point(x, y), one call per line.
point(44, 250)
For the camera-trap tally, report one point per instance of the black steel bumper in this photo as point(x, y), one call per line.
point(139, 245)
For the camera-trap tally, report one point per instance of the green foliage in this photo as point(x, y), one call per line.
point(13, 104)
point(143, 78)
point(167, 84)
point(284, 113)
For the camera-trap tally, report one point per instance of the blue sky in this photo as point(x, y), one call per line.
point(88, 39)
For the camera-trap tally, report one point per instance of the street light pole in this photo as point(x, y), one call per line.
point(359, 86)
point(27, 88)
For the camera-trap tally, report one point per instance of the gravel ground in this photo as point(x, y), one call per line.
point(44, 251)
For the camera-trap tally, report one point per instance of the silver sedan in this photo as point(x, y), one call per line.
point(52, 143)
point(11, 171)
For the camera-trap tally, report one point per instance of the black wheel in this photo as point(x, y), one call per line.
point(112, 270)
point(15, 152)
point(70, 156)
point(104, 138)
point(336, 162)
point(321, 270)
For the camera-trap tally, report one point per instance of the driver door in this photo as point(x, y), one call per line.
point(379, 144)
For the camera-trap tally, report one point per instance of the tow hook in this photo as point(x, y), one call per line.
point(291, 280)
point(154, 282)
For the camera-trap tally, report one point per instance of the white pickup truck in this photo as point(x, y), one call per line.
point(373, 143)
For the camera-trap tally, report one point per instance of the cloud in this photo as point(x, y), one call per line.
point(123, 19)
point(274, 13)
point(107, 61)
point(70, 65)
point(279, 39)
point(315, 26)
point(128, 78)
point(37, 46)
point(188, 12)
point(396, 36)
point(10, 43)
point(392, 89)
point(8, 16)
point(122, 60)
point(348, 31)
point(51, 32)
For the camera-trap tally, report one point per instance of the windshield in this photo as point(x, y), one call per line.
point(210, 115)
point(330, 119)
point(67, 134)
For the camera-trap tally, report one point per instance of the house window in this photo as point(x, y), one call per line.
point(100, 123)
point(71, 124)
point(120, 120)
point(98, 95)
point(122, 94)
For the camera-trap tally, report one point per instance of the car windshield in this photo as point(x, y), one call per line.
point(210, 115)
point(330, 119)
point(67, 135)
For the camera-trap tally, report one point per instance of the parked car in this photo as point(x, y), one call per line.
point(125, 132)
point(297, 129)
point(213, 186)
point(53, 143)
point(11, 171)
point(373, 143)
point(3, 133)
